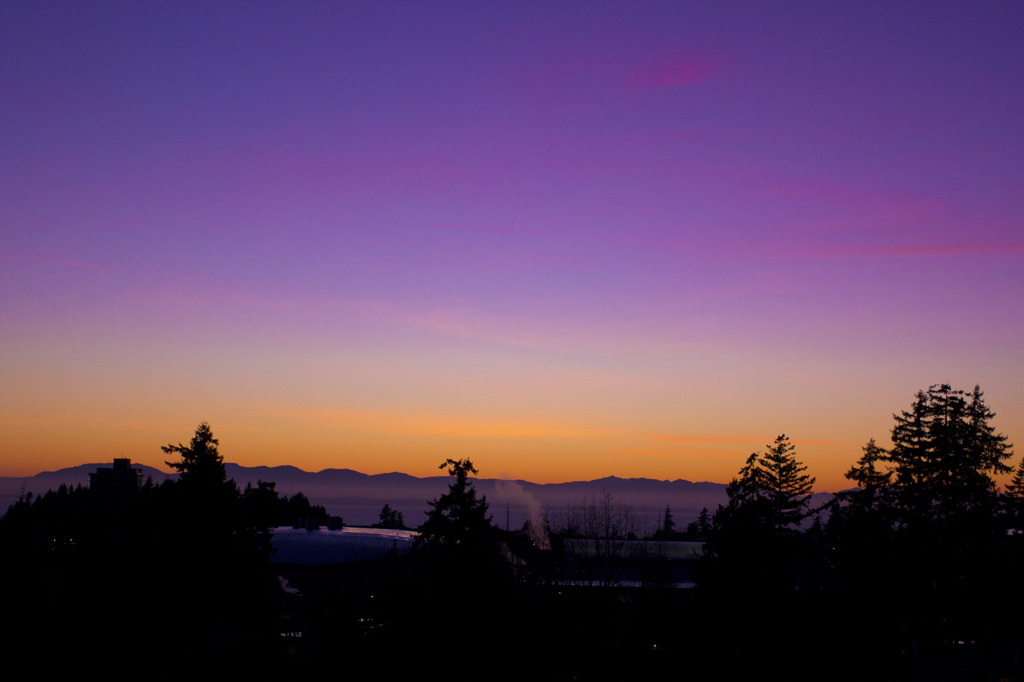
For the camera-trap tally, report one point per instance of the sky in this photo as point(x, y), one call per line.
point(566, 240)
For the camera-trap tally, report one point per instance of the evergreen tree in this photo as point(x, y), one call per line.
point(928, 508)
point(786, 485)
point(772, 489)
point(200, 465)
point(861, 528)
point(704, 522)
point(873, 492)
point(699, 529)
point(458, 518)
point(458, 540)
point(870, 481)
point(754, 540)
point(668, 525)
point(202, 492)
point(390, 518)
point(944, 456)
point(1015, 496)
point(214, 556)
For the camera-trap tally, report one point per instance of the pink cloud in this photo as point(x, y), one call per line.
point(481, 228)
point(941, 250)
point(879, 250)
point(740, 438)
point(560, 84)
point(888, 204)
point(681, 69)
point(744, 439)
point(53, 259)
point(665, 455)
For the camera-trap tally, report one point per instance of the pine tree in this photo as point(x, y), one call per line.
point(873, 485)
point(944, 456)
point(1015, 488)
point(200, 464)
point(390, 518)
point(928, 508)
point(205, 502)
point(459, 517)
point(754, 540)
point(704, 521)
point(702, 526)
point(1013, 501)
point(772, 488)
point(864, 510)
point(786, 484)
point(668, 525)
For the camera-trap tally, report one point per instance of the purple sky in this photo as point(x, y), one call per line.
point(565, 239)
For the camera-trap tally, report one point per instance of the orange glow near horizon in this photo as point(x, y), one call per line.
point(593, 257)
point(375, 442)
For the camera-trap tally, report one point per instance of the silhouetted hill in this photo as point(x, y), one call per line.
point(358, 497)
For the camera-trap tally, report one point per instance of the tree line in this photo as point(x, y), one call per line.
point(913, 567)
point(133, 565)
point(930, 505)
point(920, 551)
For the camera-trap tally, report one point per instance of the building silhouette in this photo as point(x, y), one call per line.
point(122, 477)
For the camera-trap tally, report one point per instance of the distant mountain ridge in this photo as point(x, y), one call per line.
point(358, 497)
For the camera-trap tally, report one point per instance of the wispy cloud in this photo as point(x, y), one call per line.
point(944, 250)
point(736, 438)
point(668, 455)
point(422, 424)
point(758, 439)
point(462, 227)
point(896, 250)
point(685, 68)
point(809, 248)
point(55, 260)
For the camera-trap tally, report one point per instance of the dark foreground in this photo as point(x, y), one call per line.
point(402, 619)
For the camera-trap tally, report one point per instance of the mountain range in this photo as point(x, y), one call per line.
point(358, 497)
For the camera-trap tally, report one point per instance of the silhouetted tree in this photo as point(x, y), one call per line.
point(773, 485)
point(206, 502)
point(869, 503)
point(215, 544)
point(943, 459)
point(939, 475)
point(260, 510)
point(458, 541)
point(668, 524)
point(754, 538)
point(944, 500)
point(702, 526)
point(104, 547)
point(390, 518)
point(924, 527)
point(872, 484)
point(262, 504)
point(1014, 500)
point(459, 518)
point(1016, 485)
point(201, 466)
point(861, 522)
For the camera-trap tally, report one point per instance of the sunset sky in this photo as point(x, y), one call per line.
point(565, 239)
